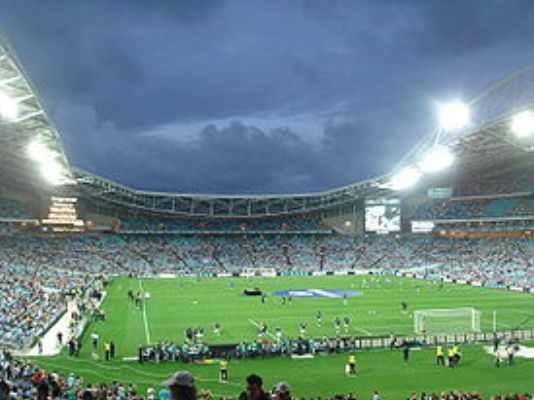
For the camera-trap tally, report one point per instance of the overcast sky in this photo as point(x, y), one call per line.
point(215, 96)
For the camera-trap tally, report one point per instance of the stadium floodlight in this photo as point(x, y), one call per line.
point(51, 169)
point(8, 107)
point(53, 172)
point(39, 152)
point(454, 115)
point(523, 124)
point(436, 160)
point(405, 178)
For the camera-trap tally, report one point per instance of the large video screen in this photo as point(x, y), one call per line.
point(382, 215)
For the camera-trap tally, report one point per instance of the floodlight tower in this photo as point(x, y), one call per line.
point(451, 117)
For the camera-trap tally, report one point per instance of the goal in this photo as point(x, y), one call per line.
point(447, 320)
point(252, 272)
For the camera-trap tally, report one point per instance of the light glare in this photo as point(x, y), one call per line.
point(437, 160)
point(51, 169)
point(40, 153)
point(523, 124)
point(405, 178)
point(8, 107)
point(453, 116)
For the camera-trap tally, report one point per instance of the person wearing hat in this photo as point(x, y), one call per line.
point(181, 386)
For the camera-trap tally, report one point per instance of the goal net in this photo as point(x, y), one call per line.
point(252, 272)
point(447, 320)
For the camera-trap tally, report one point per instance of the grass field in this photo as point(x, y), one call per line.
point(176, 304)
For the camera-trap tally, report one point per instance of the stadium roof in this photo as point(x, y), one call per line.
point(483, 145)
point(489, 137)
point(25, 122)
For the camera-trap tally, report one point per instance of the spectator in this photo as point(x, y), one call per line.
point(282, 391)
point(181, 386)
point(254, 389)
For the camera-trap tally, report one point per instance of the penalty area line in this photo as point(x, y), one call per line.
point(145, 318)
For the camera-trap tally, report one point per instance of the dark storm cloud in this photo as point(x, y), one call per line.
point(255, 96)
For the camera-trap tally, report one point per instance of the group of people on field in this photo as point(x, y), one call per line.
point(448, 357)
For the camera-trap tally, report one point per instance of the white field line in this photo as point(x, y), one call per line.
point(145, 319)
point(368, 333)
point(258, 325)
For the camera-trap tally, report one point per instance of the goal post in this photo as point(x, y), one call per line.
point(447, 320)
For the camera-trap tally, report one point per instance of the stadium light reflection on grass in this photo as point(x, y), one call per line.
point(8, 107)
point(405, 178)
point(523, 124)
point(436, 160)
point(454, 115)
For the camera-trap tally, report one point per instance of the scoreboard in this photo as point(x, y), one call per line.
point(382, 215)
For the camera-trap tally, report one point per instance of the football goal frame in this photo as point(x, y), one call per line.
point(447, 320)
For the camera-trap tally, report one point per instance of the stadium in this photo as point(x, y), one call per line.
point(109, 290)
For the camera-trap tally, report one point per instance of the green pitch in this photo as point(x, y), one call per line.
point(176, 304)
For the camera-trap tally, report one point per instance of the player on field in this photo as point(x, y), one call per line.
point(510, 352)
point(189, 335)
point(450, 357)
point(94, 340)
point(223, 370)
point(457, 355)
point(337, 325)
point(440, 355)
point(278, 334)
point(217, 329)
point(346, 323)
point(345, 299)
point(496, 343)
point(351, 364)
point(406, 351)
point(404, 306)
point(319, 318)
point(302, 328)
point(262, 331)
point(199, 334)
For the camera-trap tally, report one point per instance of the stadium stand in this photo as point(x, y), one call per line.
point(14, 209)
point(24, 380)
point(484, 207)
point(223, 226)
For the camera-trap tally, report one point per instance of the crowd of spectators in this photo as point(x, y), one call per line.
point(476, 186)
point(258, 225)
point(24, 380)
point(485, 226)
point(14, 209)
point(460, 208)
point(498, 260)
point(31, 299)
